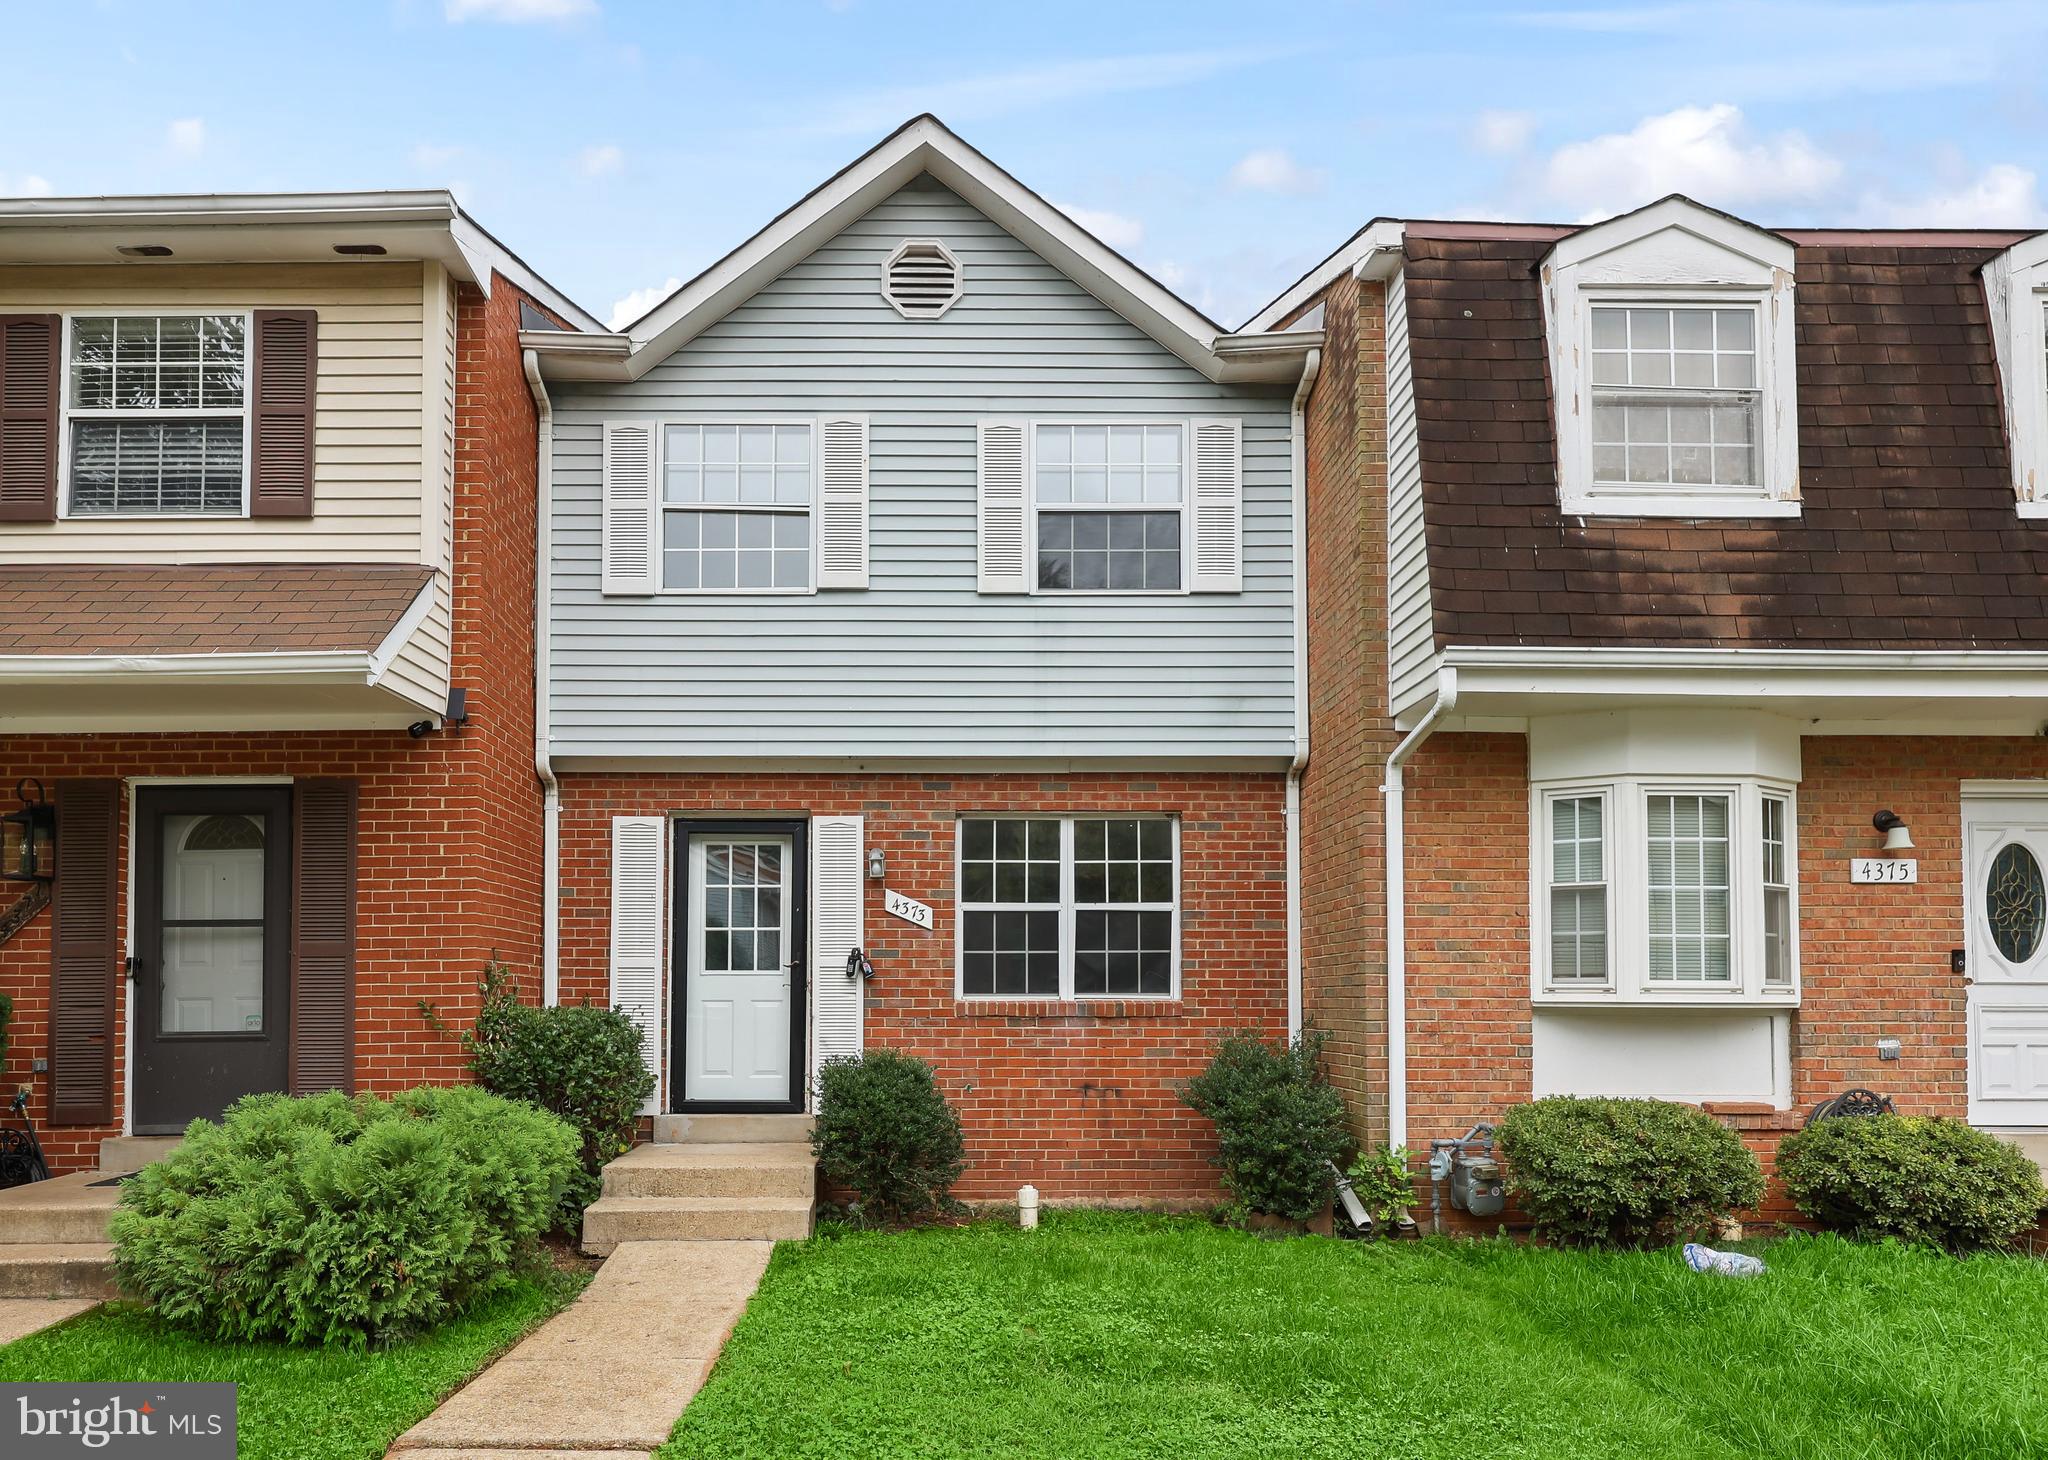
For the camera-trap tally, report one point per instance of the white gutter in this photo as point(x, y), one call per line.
point(309, 666)
point(1298, 437)
point(551, 791)
point(1391, 790)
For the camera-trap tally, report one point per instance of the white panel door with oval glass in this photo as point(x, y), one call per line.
point(2005, 852)
point(738, 973)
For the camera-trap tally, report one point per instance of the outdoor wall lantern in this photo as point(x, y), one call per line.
point(1897, 838)
point(28, 837)
point(877, 868)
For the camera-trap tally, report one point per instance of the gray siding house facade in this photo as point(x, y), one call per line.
point(921, 663)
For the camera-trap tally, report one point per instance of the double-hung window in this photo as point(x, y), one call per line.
point(1068, 907)
point(156, 410)
point(736, 504)
point(1108, 501)
point(1663, 890)
point(1676, 402)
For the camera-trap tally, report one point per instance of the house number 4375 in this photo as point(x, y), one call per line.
point(1883, 869)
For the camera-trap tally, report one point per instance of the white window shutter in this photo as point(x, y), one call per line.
point(836, 894)
point(1003, 513)
point(843, 502)
point(1218, 506)
point(632, 553)
point(639, 893)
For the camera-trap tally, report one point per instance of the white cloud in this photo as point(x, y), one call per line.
point(1703, 151)
point(974, 98)
point(517, 12)
point(1502, 132)
point(186, 136)
point(600, 160)
point(2003, 195)
point(632, 306)
point(1272, 170)
point(1119, 231)
point(24, 185)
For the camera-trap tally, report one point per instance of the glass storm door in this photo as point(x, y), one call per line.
point(2005, 870)
point(211, 967)
point(743, 969)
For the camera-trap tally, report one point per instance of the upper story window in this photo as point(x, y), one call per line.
point(1108, 501)
point(736, 507)
point(156, 410)
point(1654, 889)
point(1671, 338)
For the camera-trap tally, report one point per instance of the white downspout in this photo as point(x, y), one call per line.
point(551, 791)
point(1297, 423)
point(1397, 906)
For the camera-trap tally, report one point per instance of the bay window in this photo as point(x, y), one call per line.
point(1664, 891)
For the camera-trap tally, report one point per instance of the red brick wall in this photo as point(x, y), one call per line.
point(1079, 1103)
point(449, 835)
point(1343, 831)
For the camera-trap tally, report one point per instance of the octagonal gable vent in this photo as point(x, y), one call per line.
point(922, 279)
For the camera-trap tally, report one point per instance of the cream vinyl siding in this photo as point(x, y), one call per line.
point(384, 432)
point(919, 663)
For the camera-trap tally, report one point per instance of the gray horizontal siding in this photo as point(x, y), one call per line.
point(919, 664)
point(1411, 645)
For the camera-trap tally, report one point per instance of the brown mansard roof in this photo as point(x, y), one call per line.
point(124, 608)
point(1907, 537)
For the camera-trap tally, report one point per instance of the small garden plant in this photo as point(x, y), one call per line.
point(578, 1061)
point(1279, 1124)
point(1921, 1179)
point(1382, 1182)
point(1624, 1173)
point(885, 1130)
point(337, 1219)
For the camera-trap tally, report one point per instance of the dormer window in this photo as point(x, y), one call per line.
point(1670, 335)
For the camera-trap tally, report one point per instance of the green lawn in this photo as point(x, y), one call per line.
point(1104, 1335)
point(297, 1403)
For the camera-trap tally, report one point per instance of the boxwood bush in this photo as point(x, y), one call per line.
point(1925, 1180)
point(1624, 1173)
point(579, 1061)
point(1279, 1123)
point(341, 1220)
point(884, 1129)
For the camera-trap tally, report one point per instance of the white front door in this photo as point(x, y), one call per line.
point(2005, 871)
point(742, 967)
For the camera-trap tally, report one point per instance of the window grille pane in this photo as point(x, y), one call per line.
point(1777, 896)
point(156, 467)
point(1689, 893)
point(738, 550)
point(1578, 895)
point(1109, 551)
point(180, 362)
point(1662, 410)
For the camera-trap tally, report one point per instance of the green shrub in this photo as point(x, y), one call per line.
point(578, 1061)
point(885, 1130)
point(1626, 1173)
point(339, 1219)
point(1920, 1179)
point(1279, 1123)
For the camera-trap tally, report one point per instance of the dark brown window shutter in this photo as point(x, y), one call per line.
point(85, 952)
point(323, 937)
point(29, 349)
point(282, 391)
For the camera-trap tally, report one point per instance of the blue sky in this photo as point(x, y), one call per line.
point(618, 146)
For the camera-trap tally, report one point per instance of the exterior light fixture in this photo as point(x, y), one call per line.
point(877, 868)
point(28, 837)
point(1897, 838)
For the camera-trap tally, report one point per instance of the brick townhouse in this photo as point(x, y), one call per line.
point(267, 546)
point(923, 582)
point(1677, 636)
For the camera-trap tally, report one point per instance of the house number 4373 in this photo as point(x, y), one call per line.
point(907, 908)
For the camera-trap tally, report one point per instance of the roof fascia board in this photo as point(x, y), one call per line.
point(200, 209)
point(394, 640)
point(1377, 237)
point(323, 666)
point(1772, 673)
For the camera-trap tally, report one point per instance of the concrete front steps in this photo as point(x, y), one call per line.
point(53, 1234)
point(708, 1178)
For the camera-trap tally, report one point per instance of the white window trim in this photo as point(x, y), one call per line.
point(658, 452)
point(67, 413)
point(1184, 508)
point(2016, 286)
point(1066, 994)
point(1627, 867)
point(1672, 254)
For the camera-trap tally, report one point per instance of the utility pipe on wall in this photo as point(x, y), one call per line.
point(1297, 424)
point(1392, 793)
point(550, 790)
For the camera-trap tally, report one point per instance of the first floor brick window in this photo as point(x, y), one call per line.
point(1068, 907)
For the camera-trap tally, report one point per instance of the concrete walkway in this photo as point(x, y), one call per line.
point(19, 1317)
point(611, 1372)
